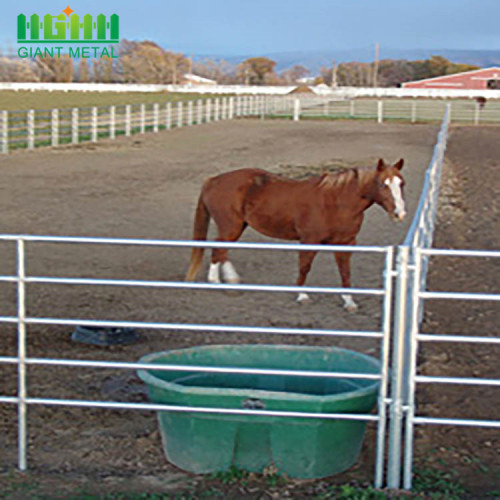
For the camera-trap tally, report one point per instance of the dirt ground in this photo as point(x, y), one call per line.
point(146, 187)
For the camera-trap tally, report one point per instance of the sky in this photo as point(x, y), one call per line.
point(254, 27)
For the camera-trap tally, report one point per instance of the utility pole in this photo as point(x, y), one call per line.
point(375, 65)
point(334, 74)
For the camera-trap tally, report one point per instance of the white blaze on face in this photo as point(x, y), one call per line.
point(394, 185)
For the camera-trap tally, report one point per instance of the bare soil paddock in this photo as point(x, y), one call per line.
point(146, 187)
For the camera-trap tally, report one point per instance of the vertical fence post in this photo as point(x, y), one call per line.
point(351, 108)
point(217, 109)
point(5, 132)
point(477, 114)
point(21, 357)
point(143, 118)
point(190, 113)
point(31, 129)
point(414, 111)
point(296, 110)
point(168, 116)
point(209, 110)
point(128, 120)
point(94, 125)
point(112, 122)
point(55, 127)
point(380, 111)
point(231, 108)
point(179, 114)
point(199, 112)
point(156, 117)
point(398, 358)
point(75, 132)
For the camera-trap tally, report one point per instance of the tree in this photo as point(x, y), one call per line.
point(55, 69)
point(147, 62)
point(292, 75)
point(257, 70)
point(84, 71)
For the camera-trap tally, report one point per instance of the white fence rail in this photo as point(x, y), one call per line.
point(398, 408)
point(339, 92)
point(34, 128)
point(23, 320)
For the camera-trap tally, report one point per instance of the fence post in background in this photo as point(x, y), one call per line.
point(143, 118)
point(168, 116)
point(190, 113)
point(31, 129)
point(217, 108)
point(199, 112)
point(209, 110)
point(231, 108)
point(380, 111)
point(296, 110)
point(223, 108)
point(93, 125)
point(477, 114)
point(156, 117)
point(75, 134)
point(351, 108)
point(238, 105)
point(179, 114)
point(128, 120)
point(5, 132)
point(414, 111)
point(55, 127)
point(112, 122)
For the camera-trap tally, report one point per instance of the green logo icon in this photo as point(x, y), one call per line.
point(67, 28)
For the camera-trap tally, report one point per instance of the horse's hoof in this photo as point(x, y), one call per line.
point(352, 308)
point(303, 298)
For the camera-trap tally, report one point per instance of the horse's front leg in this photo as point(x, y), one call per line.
point(344, 264)
point(305, 262)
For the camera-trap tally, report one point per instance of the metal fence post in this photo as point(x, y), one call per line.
point(216, 109)
point(55, 127)
point(190, 113)
point(75, 136)
point(351, 108)
point(296, 110)
point(199, 112)
point(156, 117)
point(5, 132)
point(209, 110)
point(128, 120)
point(414, 111)
point(398, 357)
point(31, 129)
point(21, 356)
point(112, 122)
point(231, 108)
point(94, 125)
point(179, 114)
point(168, 116)
point(143, 119)
point(477, 114)
point(380, 111)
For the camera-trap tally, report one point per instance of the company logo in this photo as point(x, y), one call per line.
point(68, 28)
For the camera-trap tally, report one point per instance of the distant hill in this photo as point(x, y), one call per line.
point(314, 60)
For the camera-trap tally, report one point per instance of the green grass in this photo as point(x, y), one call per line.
point(21, 100)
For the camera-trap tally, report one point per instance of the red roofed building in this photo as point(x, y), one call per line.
point(480, 79)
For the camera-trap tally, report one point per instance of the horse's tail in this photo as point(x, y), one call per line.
point(201, 221)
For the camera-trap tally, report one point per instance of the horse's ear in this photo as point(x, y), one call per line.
point(399, 164)
point(380, 165)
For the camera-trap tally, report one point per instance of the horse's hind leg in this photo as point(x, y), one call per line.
point(221, 268)
point(305, 262)
point(344, 264)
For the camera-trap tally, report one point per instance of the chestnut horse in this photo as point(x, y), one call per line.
point(325, 209)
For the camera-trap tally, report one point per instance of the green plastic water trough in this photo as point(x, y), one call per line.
point(299, 447)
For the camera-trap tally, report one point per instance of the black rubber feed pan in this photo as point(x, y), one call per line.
point(97, 335)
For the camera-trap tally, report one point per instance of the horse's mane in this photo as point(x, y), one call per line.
point(346, 176)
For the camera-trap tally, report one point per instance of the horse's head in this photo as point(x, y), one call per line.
point(388, 189)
